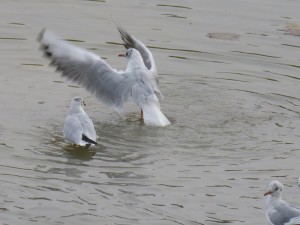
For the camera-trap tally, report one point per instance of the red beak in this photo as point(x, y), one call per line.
point(268, 193)
point(121, 55)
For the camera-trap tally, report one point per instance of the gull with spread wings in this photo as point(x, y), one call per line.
point(139, 81)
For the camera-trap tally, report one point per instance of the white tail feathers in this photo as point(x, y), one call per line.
point(153, 116)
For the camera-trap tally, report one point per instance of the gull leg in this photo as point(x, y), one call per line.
point(142, 115)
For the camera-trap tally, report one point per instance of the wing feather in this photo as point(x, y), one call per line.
point(87, 69)
point(283, 213)
point(87, 126)
point(132, 42)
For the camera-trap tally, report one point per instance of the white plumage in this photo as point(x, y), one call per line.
point(78, 127)
point(138, 81)
point(278, 212)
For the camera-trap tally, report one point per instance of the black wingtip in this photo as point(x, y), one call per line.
point(86, 139)
point(40, 35)
point(127, 39)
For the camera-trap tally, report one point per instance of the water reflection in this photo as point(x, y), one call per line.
point(59, 147)
point(80, 152)
point(174, 16)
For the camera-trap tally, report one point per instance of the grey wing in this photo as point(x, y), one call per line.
point(294, 221)
point(73, 129)
point(284, 213)
point(88, 127)
point(132, 42)
point(87, 69)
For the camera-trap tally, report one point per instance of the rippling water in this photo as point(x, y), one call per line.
point(229, 71)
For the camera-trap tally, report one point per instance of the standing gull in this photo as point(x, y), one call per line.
point(278, 212)
point(78, 127)
point(138, 81)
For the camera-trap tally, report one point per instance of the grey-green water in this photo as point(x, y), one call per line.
point(233, 104)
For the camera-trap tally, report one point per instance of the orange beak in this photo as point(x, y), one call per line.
point(121, 55)
point(268, 193)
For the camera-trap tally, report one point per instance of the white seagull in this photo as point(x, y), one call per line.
point(138, 81)
point(278, 212)
point(78, 127)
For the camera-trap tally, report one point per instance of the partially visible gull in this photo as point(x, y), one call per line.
point(78, 127)
point(296, 220)
point(278, 212)
point(138, 81)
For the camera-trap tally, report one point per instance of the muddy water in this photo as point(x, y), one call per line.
point(229, 72)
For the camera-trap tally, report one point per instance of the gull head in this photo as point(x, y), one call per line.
point(77, 103)
point(274, 189)
point(133, 57)
point(130, 52)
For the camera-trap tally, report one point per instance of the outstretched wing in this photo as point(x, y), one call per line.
point(87, 69)
point(132, 42)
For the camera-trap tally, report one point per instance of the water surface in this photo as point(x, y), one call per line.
point(233, 104)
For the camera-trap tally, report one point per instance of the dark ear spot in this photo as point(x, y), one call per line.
point(49, 54)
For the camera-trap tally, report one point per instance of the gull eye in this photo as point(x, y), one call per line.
point(128, 52)
point(77, 100)
point(276, 189)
